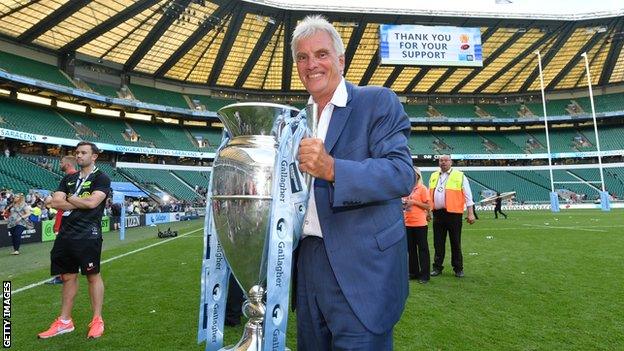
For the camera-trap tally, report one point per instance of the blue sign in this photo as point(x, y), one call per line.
point(156, 218)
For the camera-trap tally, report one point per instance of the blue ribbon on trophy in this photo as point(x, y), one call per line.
point(287, 215)
point(255, 208)
point(214, 279)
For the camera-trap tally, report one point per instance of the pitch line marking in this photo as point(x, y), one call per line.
point(33, 285)
point(557, 227)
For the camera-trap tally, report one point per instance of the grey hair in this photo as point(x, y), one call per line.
point(311, 25)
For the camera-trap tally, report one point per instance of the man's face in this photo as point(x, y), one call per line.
point(85, 156)
point(445, 163)
point(319, 66)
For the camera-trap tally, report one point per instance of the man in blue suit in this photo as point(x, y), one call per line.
point(351, 267)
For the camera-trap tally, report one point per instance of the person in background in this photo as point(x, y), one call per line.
point(450, 195)
point(498, 205)
point(68, 166)
point(78, 245)
point(416, 207)
point(18, 220)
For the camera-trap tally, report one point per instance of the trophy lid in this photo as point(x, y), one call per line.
point(255, 118)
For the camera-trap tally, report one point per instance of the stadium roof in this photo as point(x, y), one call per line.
point(244, 45)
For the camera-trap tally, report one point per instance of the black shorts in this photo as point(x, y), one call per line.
point(68, 255)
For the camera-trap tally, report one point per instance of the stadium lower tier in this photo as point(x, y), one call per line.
point(22, 174)
point(55, 123)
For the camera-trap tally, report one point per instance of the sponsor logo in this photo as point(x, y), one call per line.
point(213, 326)
point(282, 180)
point(71, 183)
point(90, 267)
point(219, 258)
point(133, 221)
point(275, 340)
point(281, 231)
point(86, 184)
point(156, 218)
point(279, 267)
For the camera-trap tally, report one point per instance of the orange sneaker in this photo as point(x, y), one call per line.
point(57, 328)
point(96, 328)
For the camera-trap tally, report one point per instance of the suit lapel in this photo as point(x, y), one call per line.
point(338, 121)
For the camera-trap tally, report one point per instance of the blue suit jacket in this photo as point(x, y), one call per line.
point(360, 214)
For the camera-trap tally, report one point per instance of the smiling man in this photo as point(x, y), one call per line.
point(78, 244)
point(351, 267)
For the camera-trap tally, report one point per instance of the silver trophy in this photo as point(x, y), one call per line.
point(241, 202)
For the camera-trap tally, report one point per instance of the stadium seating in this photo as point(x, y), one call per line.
point(464, 142)
point(416, 110)
point(456, 110)
point(34, 119)
point(502, 181)
point(34, 69)
point(504, 144)
point(29, 173)
point(193, 178)
point(109, 130)
point(112, 173)
point(104, 89)
point(212, 103)
point(213, 136)
point(158, 96)
point(603, 103)
point(163, 136)
point(163, 180)
point(495, 110)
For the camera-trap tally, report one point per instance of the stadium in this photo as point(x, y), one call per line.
point(538, 110)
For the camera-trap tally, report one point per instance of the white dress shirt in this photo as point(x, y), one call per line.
point(311, 225)
point(439, 197)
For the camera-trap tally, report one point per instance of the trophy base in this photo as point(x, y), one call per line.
point(251, 339)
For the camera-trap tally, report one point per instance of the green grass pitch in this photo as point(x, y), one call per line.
point(536, 281)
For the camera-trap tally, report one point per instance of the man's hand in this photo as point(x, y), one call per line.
point(314, 160)
point(471, 218)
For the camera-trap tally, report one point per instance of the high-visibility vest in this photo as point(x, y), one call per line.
point(453, 192)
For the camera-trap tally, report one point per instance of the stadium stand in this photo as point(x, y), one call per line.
point(603, 103)
point(193, 178)
point(456, 110)
point(212, 103)
point(104, 129)
point(24, 170)
point(495, 110)
point(162, 180)
point(106, 90)
point(163, 136)
point(500, 143)
point(416, 110)
point(37, 120)
point(158, 96)
point(32, 68)
point(213, 136)
point(462, 142)
point(113, 173)
point(502, 181)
